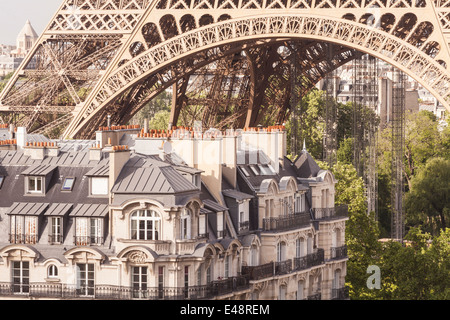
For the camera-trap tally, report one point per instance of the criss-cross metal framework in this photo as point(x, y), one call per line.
point(100, 57)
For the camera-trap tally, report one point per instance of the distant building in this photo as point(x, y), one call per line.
point(11, 57)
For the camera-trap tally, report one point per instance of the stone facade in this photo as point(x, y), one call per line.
point(198, 216)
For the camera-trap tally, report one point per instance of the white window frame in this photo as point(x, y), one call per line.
point(35, 189)
point(20, 270)
point(139, 281)
point(86, 277)
point(99, 186)
point(220, 224)
point(281, 251)
point(151, 218)
point(56, 228)
point(300, 290)
point(88, 229)
point(185, 224)
point(52, 271)
point(202, 224)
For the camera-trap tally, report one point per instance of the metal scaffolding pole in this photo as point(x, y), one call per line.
point(398, 138)
point(364, 99)
point(330, 134)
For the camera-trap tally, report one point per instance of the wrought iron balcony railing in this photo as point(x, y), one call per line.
point(316, 296)
point(111, 292)
point(310, 260)
point(244, 225)
point(337, 212)
point(287, 222)
point(55, 238)
point(258, 272)
point(23, 238)
point(338, 252)
point(87, 240)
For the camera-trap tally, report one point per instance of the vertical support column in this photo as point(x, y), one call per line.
point(397, 125)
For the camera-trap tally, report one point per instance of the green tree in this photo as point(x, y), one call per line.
point(160, 121)
point(428, 203)
point(5, 80)
point(162, 102)
point(310, 123)
point(419, 270)
point(422, 141)
point(361, 233)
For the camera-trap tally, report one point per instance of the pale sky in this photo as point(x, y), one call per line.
point(14, 14)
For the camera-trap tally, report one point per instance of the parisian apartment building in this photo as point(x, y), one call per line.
point(181, 214)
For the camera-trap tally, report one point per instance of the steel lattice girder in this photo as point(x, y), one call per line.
point(140, 39)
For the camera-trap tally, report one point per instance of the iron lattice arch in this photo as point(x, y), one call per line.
point(112, 57)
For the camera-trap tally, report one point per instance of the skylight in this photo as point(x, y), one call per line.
point(68, 184)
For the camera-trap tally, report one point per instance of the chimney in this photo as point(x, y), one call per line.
point(209, 157)
point(265, 140)
point(95, 153)
point(118, 156)
point(21, 136)
point(230, 157)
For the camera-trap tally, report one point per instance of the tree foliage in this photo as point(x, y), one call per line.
point(428, 201)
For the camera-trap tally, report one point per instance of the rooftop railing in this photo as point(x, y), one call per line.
point(287, 222)
point(336, 212)
point(284, 267)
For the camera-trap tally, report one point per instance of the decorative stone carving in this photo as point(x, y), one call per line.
point(137, 257)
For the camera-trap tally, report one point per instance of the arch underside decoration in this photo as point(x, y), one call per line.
point(239, 50)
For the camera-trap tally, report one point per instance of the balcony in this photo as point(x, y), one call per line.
point(310, 260)
point(338, 252)
point(23, 238)
point(258, 272)
point(55, 238)
point(287, 222)
point(316, 296)
point(340, 294)
point(283, 267)
point(111, 292)
point(87, 240)
point(338, 212)
point(244, 226)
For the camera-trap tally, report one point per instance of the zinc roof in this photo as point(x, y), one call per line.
point(58, 209)
point(90, 210)
point(27, 208)
point(147, 175)
point(39, 170)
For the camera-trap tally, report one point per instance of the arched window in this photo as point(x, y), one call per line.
point(281, 251)
point(52, 271)
point(300, 247)
point(254, 261)
point(145, 225)
point(300, 290)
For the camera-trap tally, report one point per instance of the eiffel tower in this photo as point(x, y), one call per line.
point(111, 57)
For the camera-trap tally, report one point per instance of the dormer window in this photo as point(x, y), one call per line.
point(36, 177)
point(99, 186)
point(196, 181)
point(35, 185)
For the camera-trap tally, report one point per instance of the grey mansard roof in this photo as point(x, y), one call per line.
point(142, 174)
